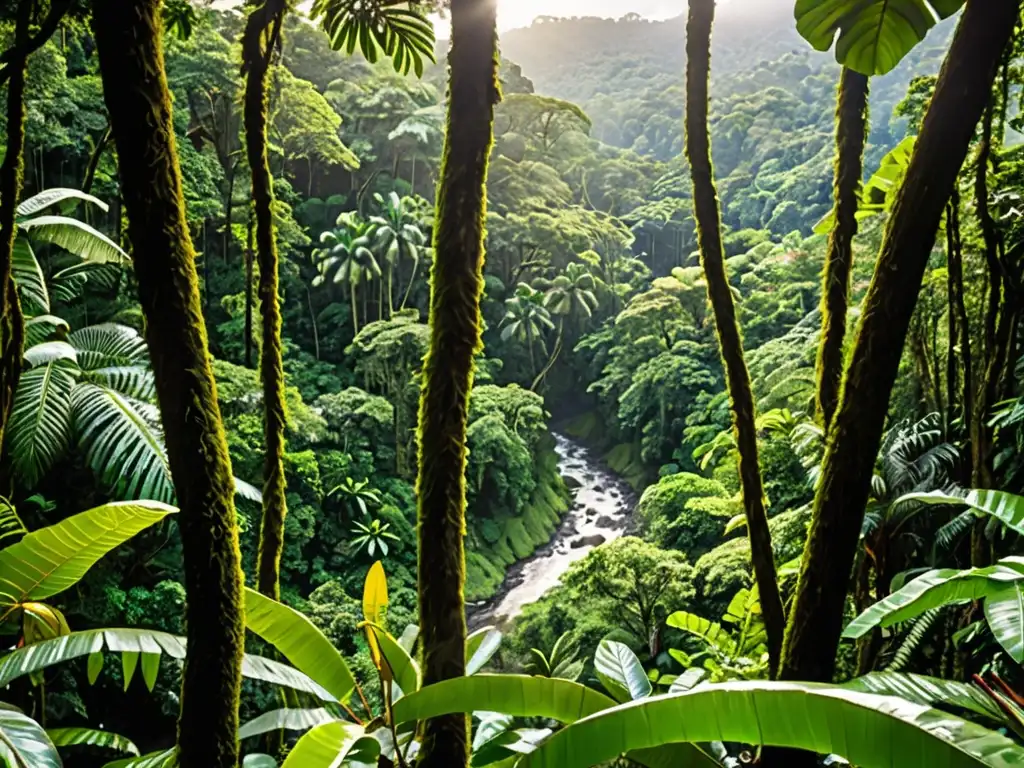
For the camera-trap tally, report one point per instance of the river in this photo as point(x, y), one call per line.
point(600, 513)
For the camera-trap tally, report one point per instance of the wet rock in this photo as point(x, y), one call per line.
point(588, 541)
point(599, 488)
point(572, 483)
point(605, 521)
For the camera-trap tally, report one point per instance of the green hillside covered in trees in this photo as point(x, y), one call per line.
point(380, 390)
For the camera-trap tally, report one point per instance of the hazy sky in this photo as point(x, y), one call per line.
point(519, 13)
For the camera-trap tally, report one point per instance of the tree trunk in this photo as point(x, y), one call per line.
point(956, 270)
point(457, 285)
point(262, 33)
point(555, 352)
point(706, 212)
point(851, 133)
point(355, 308)
point(249, 256)
point(94, 160)
point(128, 40)
point(12, 171)
point(960, 96)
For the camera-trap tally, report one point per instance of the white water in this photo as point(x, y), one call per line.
point(600, 512)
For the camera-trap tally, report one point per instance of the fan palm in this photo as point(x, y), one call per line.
point(346, 257)
point(397, 235)
point(527, 320)
point(570, 295)
point(357, 494)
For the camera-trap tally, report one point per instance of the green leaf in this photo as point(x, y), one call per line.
point(710, 632)
point(1008, 508)
point(930, 691)
point(817, 718)
point(1004, 612)
point(690, 679)
point(39, 431)
point(325, 746)
point(129, 662)
point(481, 646)
point(375, 603)
point(621, 672)
point(403, 668)
point(23, 742)
point(286, 719)
point(300, 642)
point(258, 760)
point(166, 759)
point(28, 276)
point(517, 695)
point(94, 666)
point(873, 35)
point(91, 737)
point(150, 669)
point(74, 236)
point(48, 561)
point(50, 352)
point(933, 589)
point(54, 196)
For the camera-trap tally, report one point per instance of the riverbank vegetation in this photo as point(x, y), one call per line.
point(298, 298)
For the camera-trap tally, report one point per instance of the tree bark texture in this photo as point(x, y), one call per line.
point(456, 286)
point(262, 33)
point(128, 39)
point(707, 214)
point(851, 134)
point(960, 97)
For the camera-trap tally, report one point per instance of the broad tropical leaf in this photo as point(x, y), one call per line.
point(402, 668)
point(621, 672)
point(28, 276)
point(44, 328)
point(817, 718)
point(931, 691)
point(91, 737)
point(1004, 612)
point(257, 759)
point(481, 646)
point(52, 559)
point(50, 197)
point(50, 352)
point(873, 35)
point(1008, 508)
point(11, 526)
point(689, 680)
point(74, 236)
point(300, 642)
point(109, 345)
point(326, 746)
point(286, 719)
point(710, 632)
point(39, 430)
point(24, 743)
point(517, 695)
point(48, 653)
point(166, 759)
point(935, 588)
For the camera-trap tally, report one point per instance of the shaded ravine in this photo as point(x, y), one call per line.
point(600, 512)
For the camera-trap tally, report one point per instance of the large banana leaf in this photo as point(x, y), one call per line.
point(931, 590)
point(621, 672)
point(481, 646)
point(517, 695)
point(873, 35)
point(28, 276)
point(74, 236)
point(931, 691)
point(402, 667)
point(1004, 612)
point(52, 559)
point(166, 759)
point(39, 430)
point(287, 719)
point(325, 746)
point(54, 196)
point(299, 641)
point(1008, 508)
point(91, 737)
point(870, 731)
point(48, 653)
point(24, 743)
point(123, 442)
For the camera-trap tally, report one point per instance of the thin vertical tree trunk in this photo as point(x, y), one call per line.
point(260, 39)
point(961, 94)
point(959, 307)
point(250, 254)
point(128, 40)
point(706, 211)
point(12, 172)
point(94, 160)
point(851, 134)
point(456, 288)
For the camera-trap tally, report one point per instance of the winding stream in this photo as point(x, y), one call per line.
point(600, 513)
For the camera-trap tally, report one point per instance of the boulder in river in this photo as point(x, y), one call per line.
point(605, 521)
point(572, 483)
point(588, 541)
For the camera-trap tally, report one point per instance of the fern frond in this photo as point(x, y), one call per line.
point(921, 629)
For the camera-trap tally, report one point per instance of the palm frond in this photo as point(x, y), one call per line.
point(28, 276)
point(44, 328)
point(133, 381)
point(49, 352)
point(108, 345)
point(50, 197)
point(10, 524)
point(40, 430)
point(123, 443)
point(392, 28)
point(921, 630)
point(74, 236)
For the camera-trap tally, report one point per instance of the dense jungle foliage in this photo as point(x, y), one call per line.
point(300, 307)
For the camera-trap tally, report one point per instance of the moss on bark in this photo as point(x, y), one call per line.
point(456, 286)
point(262, 33)
point(128, 40)
point(851, 133)
point(706, 211)
point(960, 97)
point(12, 171)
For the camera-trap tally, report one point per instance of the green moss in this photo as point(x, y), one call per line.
point(625, 460)
point(483, 578)
point(587, 427)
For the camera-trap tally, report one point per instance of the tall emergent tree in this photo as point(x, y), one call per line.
point(851, 135)
point(259, 42)
point(456, 288)
point(961, 94)
point(128, 40)
point(709, 232)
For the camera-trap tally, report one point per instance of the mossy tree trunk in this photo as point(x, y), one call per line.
point(851, 134)
point(960, 364)
point(128, 40)
point(706, 212)
point(12, 171)
point(259, 42)
point(960, 97)
point(456, 287)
